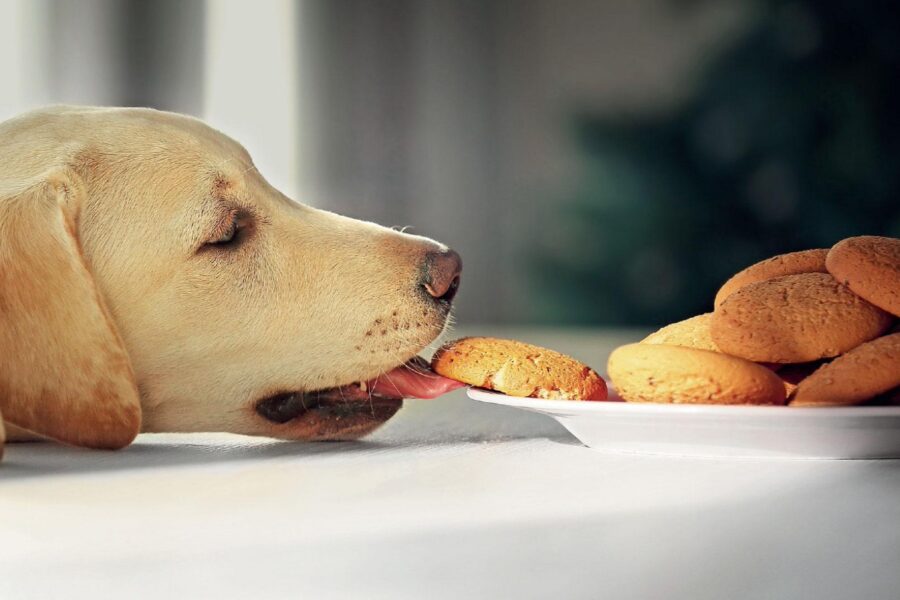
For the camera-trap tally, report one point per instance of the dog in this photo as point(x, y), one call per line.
point(152, 280)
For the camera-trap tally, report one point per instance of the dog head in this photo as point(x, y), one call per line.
point(151, 278)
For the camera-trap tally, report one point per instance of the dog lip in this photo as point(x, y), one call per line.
point(284, 407)
point(378, 396)
point(343, 401)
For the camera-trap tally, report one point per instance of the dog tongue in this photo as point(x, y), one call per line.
point(415, 379)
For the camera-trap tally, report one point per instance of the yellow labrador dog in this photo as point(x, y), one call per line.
point(151, 280)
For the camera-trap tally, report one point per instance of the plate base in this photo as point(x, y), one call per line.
point(716, 431)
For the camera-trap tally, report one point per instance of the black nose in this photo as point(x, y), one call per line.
point(441, 276)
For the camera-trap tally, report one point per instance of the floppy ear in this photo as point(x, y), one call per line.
point(64, 373)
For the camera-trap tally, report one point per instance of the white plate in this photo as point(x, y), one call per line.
point(721, 431)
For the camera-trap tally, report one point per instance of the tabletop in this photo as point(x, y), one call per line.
point(451, 499)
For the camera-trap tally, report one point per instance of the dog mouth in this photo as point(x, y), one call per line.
point(377, 399)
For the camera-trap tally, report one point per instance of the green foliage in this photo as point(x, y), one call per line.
point(792, 141)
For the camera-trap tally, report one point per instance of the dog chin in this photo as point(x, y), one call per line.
point(325, 415)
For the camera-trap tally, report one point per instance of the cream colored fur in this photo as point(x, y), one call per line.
point(108, 296)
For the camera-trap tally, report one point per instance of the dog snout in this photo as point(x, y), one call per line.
point(441, 274)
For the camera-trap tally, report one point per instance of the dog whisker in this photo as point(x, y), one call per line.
point(372, 402)
point(343, 398)
point(251, 167)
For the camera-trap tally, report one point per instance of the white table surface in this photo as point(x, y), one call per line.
point(452, 499)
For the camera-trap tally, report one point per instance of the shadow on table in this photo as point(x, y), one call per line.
point(454, 421)
point(35, 459)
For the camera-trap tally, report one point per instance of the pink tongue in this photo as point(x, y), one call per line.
point(412, 382)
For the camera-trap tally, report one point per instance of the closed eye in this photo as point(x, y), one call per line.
point(231, 232)
point(228, 237)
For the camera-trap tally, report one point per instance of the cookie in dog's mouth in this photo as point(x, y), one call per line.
point(378, 398)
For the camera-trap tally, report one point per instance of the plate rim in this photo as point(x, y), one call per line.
point(615, 407)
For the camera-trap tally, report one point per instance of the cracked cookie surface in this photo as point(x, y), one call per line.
point(518, 369)
point(863, 373)
point(792, 263)
point(795, 319)
point(870, 266)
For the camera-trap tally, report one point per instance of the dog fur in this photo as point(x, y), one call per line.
point(117, 315)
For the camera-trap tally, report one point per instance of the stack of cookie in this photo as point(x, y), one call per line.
point(810, 328)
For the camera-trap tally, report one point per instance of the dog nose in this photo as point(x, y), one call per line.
point(441, 277)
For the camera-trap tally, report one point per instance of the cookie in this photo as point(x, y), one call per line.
point(680, 375)
point(794, 319)
point(792, 263)
point(870, 266)
point(518, 369)
point(866, 371)
point(690, 333)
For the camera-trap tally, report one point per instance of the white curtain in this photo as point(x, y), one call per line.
point(23, 55)
point(251, 83)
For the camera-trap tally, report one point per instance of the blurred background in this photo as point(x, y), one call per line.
point(594, 161)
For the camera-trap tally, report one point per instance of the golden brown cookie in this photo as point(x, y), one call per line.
point(792, 263)
point(518, 369)
point(870, 266)
point(795, 318)
point(862, 373)
point(679, 375)
point(690, 333)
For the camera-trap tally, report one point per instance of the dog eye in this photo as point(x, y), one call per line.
point(228, 237)
point(232, 234)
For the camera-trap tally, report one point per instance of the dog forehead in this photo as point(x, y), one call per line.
point(163, 150)
point(141, 165)
point(122, 132)
point(154, 130)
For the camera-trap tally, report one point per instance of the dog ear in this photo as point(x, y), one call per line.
point(64, 372)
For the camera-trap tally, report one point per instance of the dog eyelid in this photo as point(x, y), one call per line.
point(230, 231)
point(226, 230)
point(228, 236)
